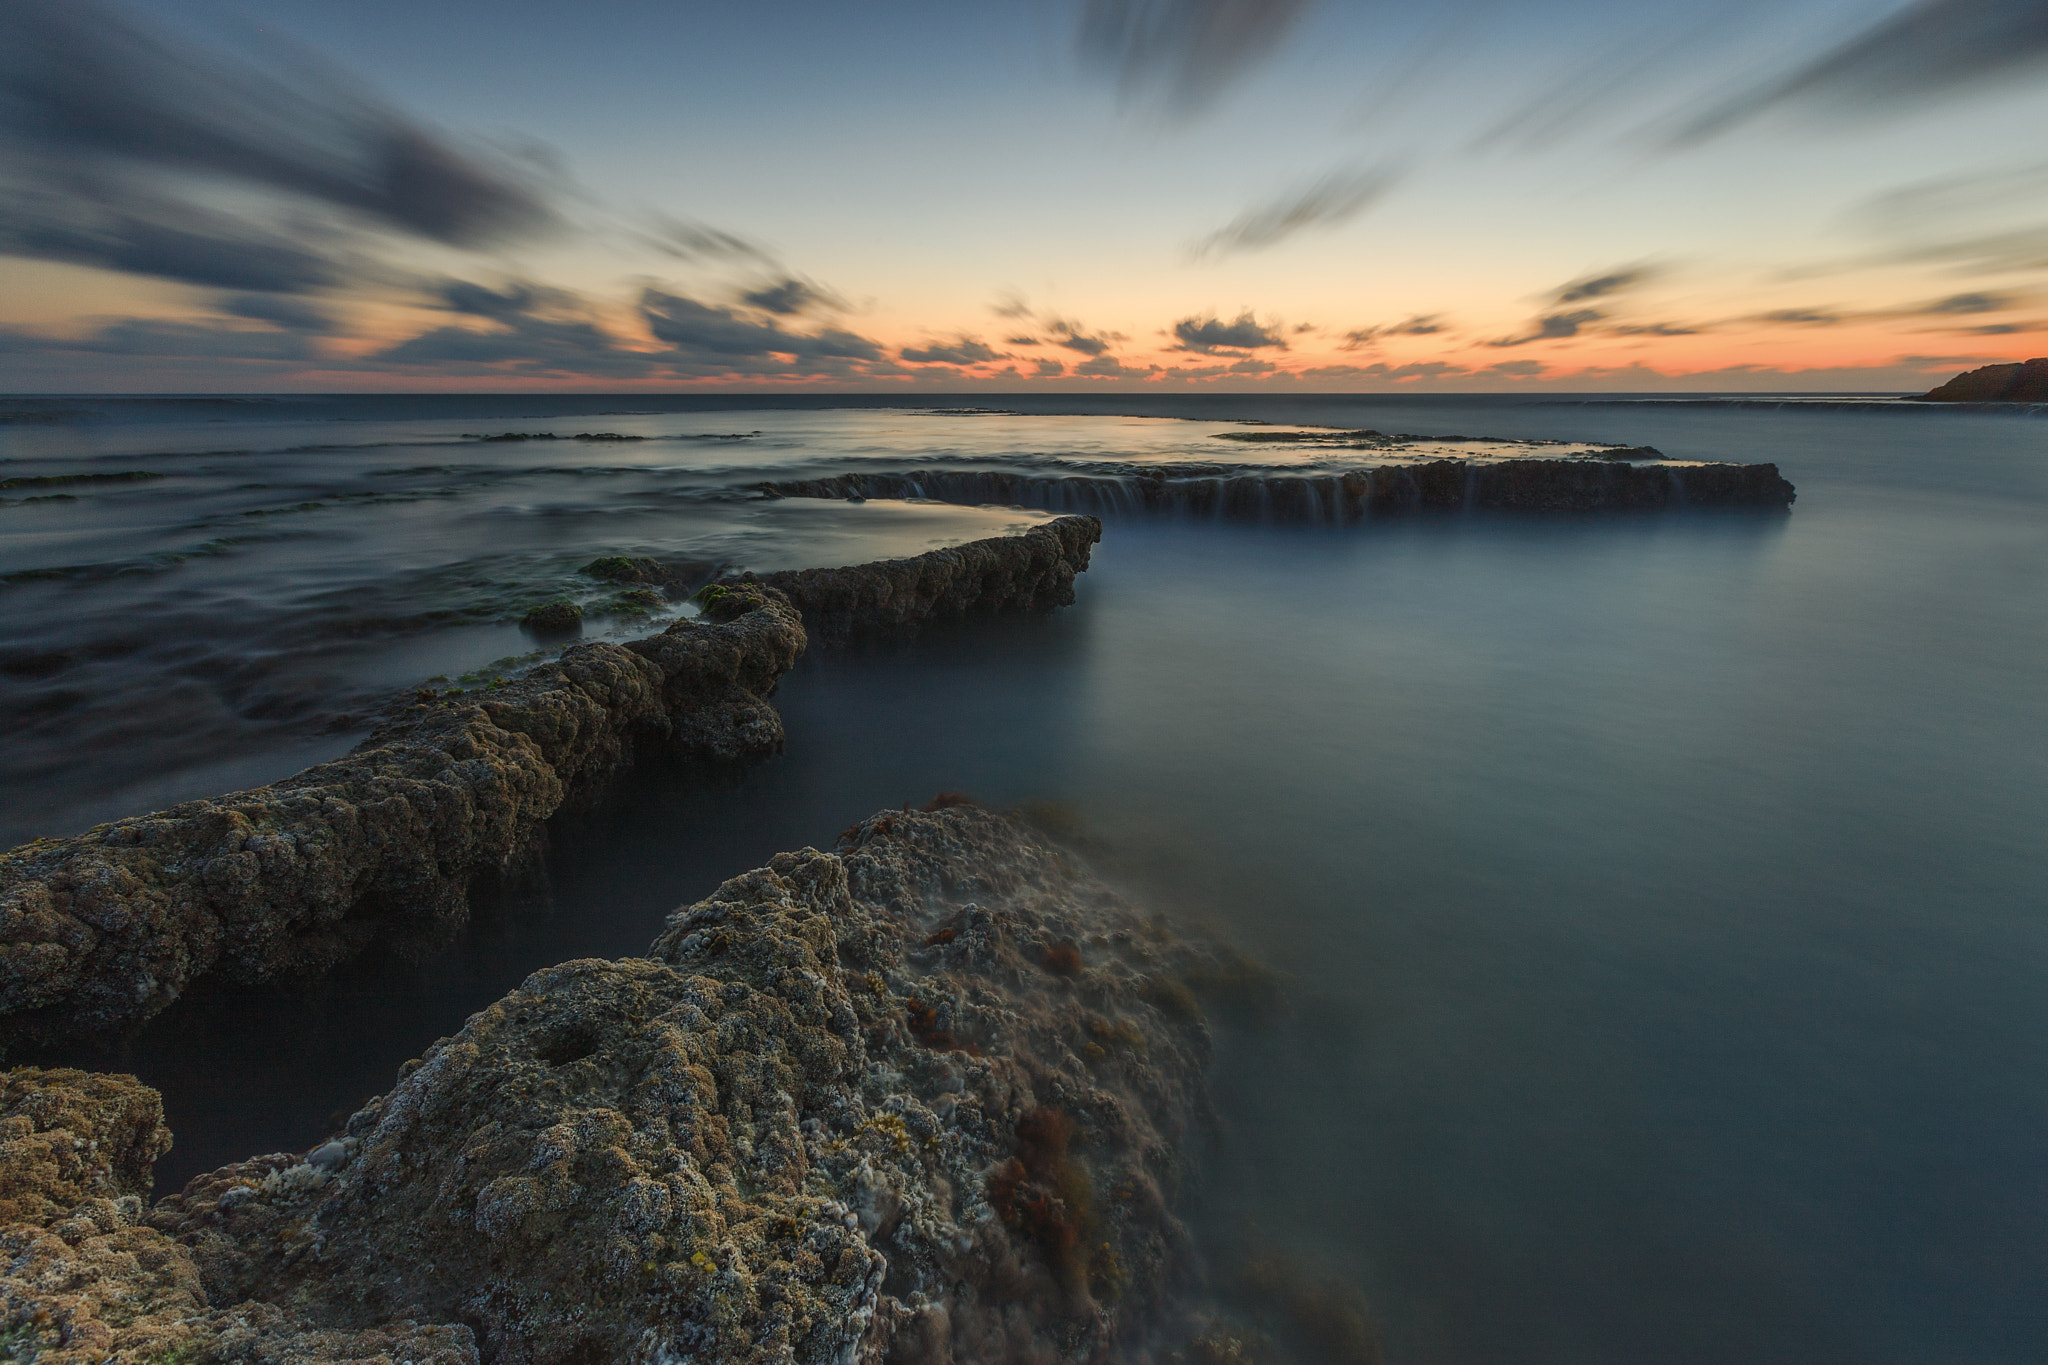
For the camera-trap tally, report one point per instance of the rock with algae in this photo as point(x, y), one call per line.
point(111, 926)
point(1030, 573)
point(844, 1112)
point(84, 1280)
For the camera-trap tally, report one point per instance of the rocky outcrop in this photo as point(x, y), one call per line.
point(928, 1097)
point(84, 1280)
point(1326, 496)
point(111, 926)
point(2021, 382)
point(1032, 572)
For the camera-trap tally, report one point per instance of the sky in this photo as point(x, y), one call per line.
point(1059, 195)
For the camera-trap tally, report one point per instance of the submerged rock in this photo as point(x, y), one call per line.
point(2020, 382)
point(843, 1113)
point(111, 926)
point(555, 618)
point(1031, 572)
point(1608, 482)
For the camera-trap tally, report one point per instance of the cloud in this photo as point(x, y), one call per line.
point(1075, 337)
point(109, 131)
point(1518, 369)
point(1330, 201)
point(1929, 49)
point(1046, 369)
point(1964, 305)
point(1183, 53)
point(1109, 367)
point(688, 241)
point(294, 315)
point(1803, 317)
point(1554, 327)
point(792, 295)
point(1010, 306)
point(1414, 325)
point(1022, 340)
point(165, 338)
point(535, 328)
point(1655, 329)
point(963, 350)
point(1205, 335)
point(697, 330)
point(1599, 286)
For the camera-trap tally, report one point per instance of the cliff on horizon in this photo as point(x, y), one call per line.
point(2020, 382)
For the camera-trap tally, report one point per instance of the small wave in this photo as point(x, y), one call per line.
point(65, 480)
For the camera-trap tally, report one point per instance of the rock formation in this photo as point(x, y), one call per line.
point(928, 1097)
point(110, 927)
point(1032, 572)
point(1264, 494)
point(2021, 382)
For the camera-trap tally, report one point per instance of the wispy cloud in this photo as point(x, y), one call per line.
point(110, 134)
point(1414, 325)
point(962, 350)
point(1182, 53)
point(1333, 200)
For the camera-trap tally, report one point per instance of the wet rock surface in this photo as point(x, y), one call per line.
point(931, 1096)
point(109, 927)
point(1030, 573)
point(1605, 482)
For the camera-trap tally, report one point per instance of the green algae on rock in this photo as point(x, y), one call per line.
point(743, 1149)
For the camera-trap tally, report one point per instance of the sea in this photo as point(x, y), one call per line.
point(1660, 901)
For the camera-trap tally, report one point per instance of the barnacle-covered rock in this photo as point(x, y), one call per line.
point(843, 1112)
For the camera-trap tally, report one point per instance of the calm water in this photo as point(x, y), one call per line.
point(1663, 897)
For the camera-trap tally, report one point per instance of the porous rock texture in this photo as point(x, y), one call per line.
point(1031, 572)
point(1263, 494)
point(83, 1280)
point(2020, 382)
point(927, 1098)
point(109, 927)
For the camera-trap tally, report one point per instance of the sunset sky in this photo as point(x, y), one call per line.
point(1338, 195)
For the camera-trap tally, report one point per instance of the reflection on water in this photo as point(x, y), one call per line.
point(1661, 897)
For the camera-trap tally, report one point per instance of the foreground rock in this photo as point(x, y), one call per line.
point(111, 926)
point(929, 1097)
point(2021, 382)
point(1264, 494)
point(1031, 572)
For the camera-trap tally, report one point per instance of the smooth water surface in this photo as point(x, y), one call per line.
point(1662, 897)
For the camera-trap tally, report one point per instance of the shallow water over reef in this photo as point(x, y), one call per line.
point(1661, 896)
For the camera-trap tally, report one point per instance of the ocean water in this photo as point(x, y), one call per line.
point(1661, 899)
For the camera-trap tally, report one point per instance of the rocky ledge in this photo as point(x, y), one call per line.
point(112, 926)
point(1266, 494)
point(1031, 572)
point(928, 1097)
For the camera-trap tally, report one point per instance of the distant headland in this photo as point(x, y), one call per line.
point(2020, 382)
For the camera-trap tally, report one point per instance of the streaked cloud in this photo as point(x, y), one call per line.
point(1181, 54)
point(113, 136)
point(962, 350)
point(1333, 200)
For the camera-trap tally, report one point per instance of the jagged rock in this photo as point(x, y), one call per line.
point(2021, 382)
point(929, 1097)
point(1237, 493)
point(83, 1281)
point(1032, 572)
point(111, 926)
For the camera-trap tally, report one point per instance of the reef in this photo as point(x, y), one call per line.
point(1261, 493)
point(2021, 382)
point(929, 1097)
point(109, 927)
point(1029, 573)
